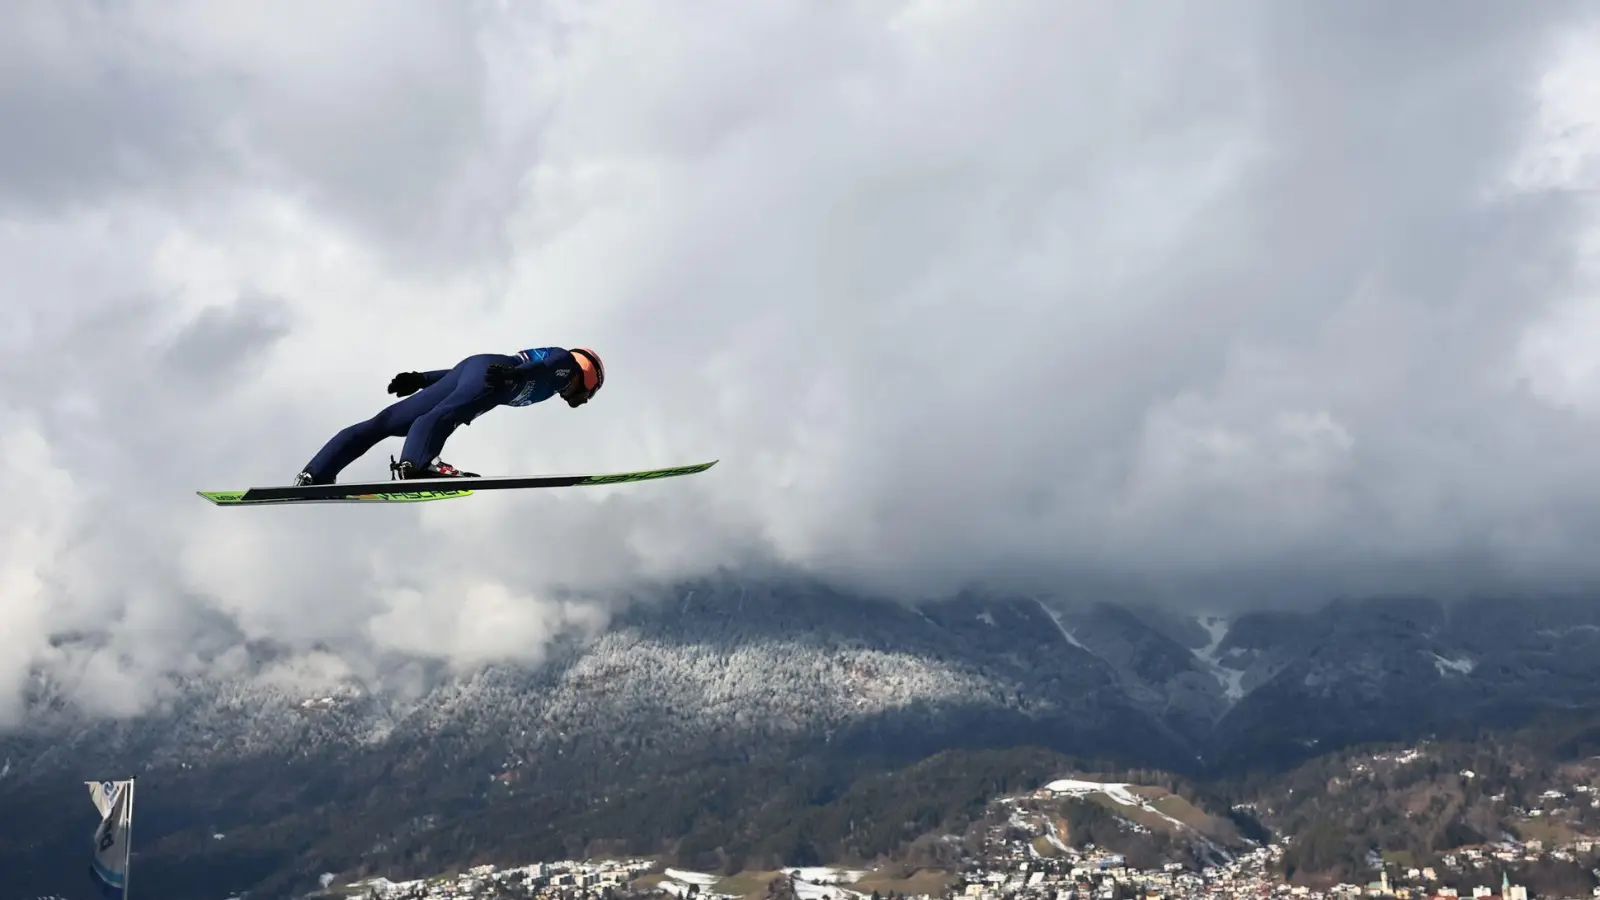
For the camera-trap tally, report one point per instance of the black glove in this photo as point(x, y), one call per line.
point(500, 375)
point(407, 383)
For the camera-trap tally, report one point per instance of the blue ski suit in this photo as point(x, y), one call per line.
point(452, 397)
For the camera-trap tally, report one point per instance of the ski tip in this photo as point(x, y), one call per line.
point(221, 498)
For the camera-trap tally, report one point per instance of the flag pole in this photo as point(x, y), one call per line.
point(127, 850)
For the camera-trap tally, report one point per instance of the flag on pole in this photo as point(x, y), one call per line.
point(113, 838)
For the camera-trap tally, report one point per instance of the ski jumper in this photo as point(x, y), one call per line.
point(452, 397)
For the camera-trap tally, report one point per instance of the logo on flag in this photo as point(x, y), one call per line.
point(109, 866)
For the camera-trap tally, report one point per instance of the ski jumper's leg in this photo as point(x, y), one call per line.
point(469, 398)
point(394, 420)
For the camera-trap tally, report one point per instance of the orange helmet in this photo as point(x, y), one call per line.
point(594, 371)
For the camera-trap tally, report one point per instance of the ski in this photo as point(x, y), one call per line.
point(426, 489)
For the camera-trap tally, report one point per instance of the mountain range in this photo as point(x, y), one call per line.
point(713, 724)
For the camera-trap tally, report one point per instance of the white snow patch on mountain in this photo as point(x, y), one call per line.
point(1232, 680)
point(1055, 841)
point(1062, 626)
point(688, 877)
point(826, 874)
point(1568, 630)
point(807, 890)
point(1120, 793)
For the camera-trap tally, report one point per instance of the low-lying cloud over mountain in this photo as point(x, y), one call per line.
point(1261, 302)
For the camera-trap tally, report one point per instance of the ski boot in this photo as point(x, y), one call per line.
point(405, 471)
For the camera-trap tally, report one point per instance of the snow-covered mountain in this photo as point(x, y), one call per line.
point(743, 672)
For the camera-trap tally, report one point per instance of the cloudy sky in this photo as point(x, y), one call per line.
point(1268, 299)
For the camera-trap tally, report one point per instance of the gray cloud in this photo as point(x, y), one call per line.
point(220, 343)
point(1265, 303)
point(378, 115)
